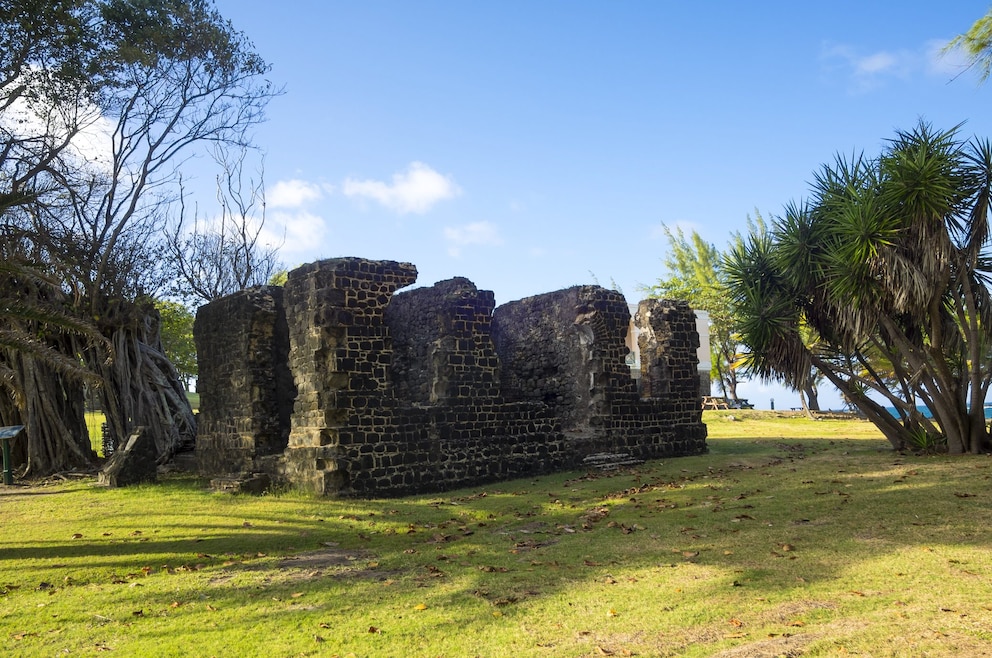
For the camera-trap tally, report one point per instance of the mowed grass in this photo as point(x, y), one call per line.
point(776, 543)
point(95, 420)
point(94, 425)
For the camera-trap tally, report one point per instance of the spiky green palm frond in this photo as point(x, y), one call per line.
point(34, 316)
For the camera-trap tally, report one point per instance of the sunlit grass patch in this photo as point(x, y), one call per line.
point(783, 544)
point(94, 425)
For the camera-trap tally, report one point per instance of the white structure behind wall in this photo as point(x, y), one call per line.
point(702, 352)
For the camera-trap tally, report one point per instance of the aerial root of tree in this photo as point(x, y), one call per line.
point(145, 391)
point(55, 437)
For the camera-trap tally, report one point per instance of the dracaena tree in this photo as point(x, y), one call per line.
point(887, 265)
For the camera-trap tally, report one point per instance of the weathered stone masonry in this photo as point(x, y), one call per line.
point(434, 388)
point(243, 347)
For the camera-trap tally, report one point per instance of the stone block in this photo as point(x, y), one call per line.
point(135, 463)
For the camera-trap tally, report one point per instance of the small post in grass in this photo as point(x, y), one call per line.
point(8, 434)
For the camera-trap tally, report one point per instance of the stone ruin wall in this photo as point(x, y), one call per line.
point(336, 385)
point(245, 410)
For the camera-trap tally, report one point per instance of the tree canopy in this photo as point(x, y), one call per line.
point(176, 330)
point(101, 101)
point(880, 281)
point(226, 253)
point(976, 44)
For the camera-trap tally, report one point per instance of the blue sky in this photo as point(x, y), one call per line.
point(532, 146)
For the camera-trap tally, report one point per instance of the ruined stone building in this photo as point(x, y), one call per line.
point(337, 385)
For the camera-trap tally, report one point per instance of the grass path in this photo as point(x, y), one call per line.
point(775, 543)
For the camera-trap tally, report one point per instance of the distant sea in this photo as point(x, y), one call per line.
point(926, 412)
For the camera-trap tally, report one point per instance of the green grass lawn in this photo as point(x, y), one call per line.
point(94, 422)
point(791, 537)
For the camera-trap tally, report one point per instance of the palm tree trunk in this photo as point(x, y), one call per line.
point(890, 427)
point(812, 395)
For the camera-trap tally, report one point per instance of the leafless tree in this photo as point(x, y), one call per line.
point(88, 173)
point(219, 255)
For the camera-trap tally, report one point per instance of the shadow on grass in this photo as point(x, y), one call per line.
point(775, 517)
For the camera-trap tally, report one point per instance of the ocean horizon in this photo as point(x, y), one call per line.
point(928, 414)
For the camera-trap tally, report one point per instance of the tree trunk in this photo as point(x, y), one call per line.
point(978, 435)
point(52, 410)
point(887, 424)
point(952, 418)
point(811, 395)
point(730, 386)
point(142, 389)
point(805, 405)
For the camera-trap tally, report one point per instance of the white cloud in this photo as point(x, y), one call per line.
point(876, 64)
point(296, 234)
point(415, 190)
point(294, 193)
point(91, 145)
point(476, 233)
point(94, 142)
point(870, 70)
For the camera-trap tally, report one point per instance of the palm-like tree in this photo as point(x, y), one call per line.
point(888, 264)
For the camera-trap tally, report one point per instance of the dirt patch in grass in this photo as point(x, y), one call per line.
point(789, 612)
point(333, 563)
point(324, 558)
point(311, 565)
point(776, 647)
point(785, 644)
point(329, 562)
